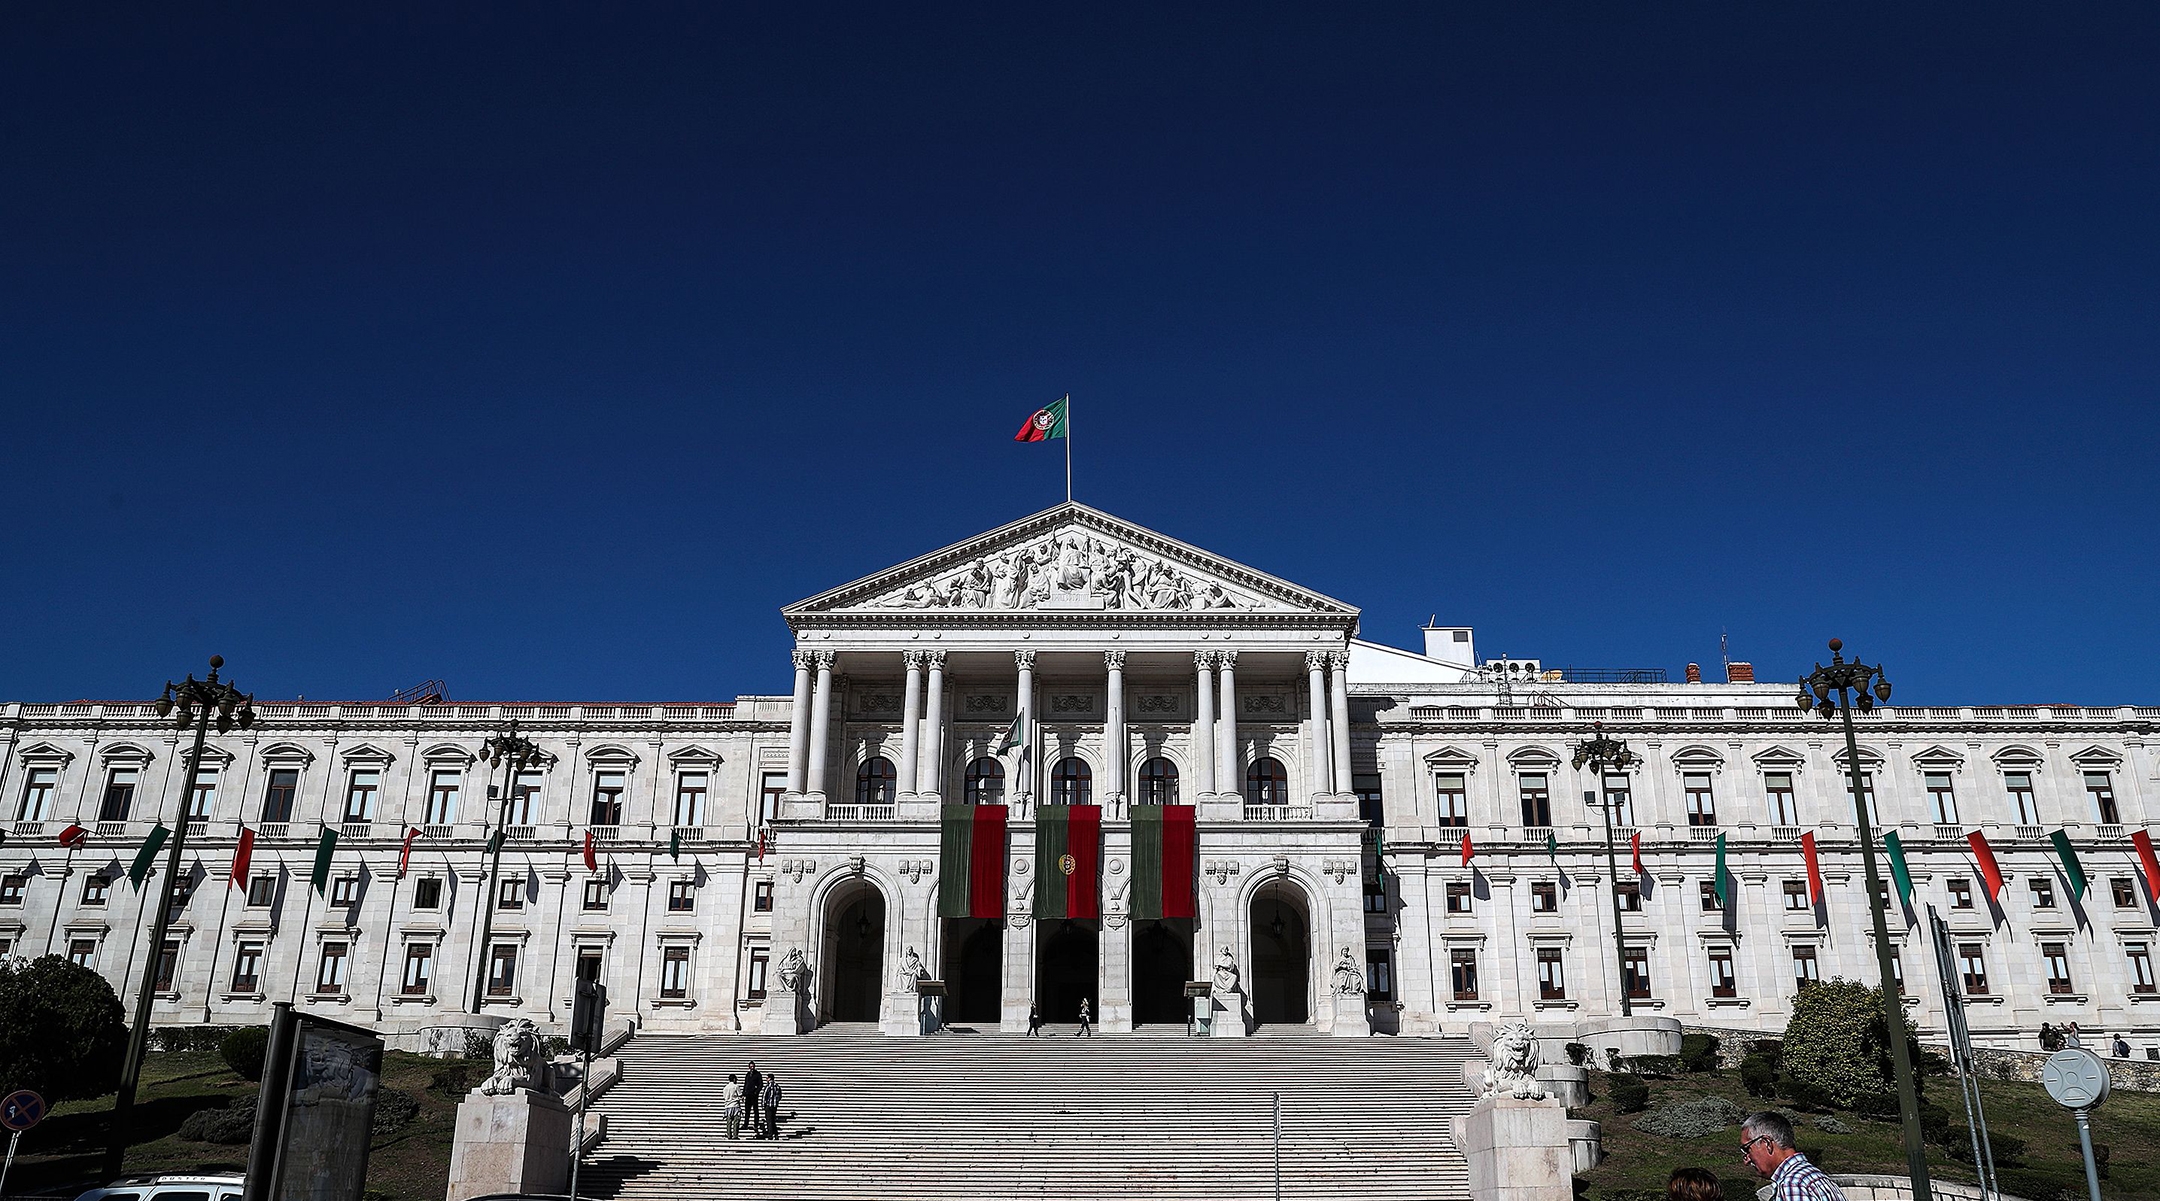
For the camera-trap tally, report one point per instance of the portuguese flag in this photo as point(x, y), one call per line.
point(971, 861)
point(1044, 423)
point(1068, 860)
point(1162, 861)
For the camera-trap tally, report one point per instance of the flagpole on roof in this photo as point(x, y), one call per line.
point(1068, 448)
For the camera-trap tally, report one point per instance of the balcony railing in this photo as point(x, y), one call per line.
point(2031, 834)
point(524, 833)
point(1785, 833)
point(1276, 813)
point(274, 829)
point(112, 829)
point(29, 829)
point(1536, 834)
point(1947, 833)
point(860, 813)
point(2110, 833)
point(1703, 833)
point(605, 833)
point(690, 833)
point(438, 832)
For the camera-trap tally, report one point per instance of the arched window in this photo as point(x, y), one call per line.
point(986, 782)
point(1266, 783)
point(1158, 782)
point(874, 782)
point(1071, 783)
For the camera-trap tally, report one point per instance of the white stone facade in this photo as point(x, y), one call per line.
point(809, 823)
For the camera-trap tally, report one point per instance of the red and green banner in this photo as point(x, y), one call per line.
point(1068, 860)
point(971, 861)
point(1163, 857)
point(1044, 423)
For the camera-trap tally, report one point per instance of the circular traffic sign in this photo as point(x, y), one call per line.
point(2076, 1078)
point(21, 1109)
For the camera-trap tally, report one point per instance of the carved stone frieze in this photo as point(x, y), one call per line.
point(1069, 569)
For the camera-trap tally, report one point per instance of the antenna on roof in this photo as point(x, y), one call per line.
point(1724, 652)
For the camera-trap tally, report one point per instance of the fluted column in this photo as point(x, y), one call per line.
point(928, 775)
point(1339, 718)
point(1024, 781)
point(910, 723)
point(1114, 730)
point(1226, 756)
point(1320, 742)
point(799, 724)
point(1203, 731)
point(821, 703)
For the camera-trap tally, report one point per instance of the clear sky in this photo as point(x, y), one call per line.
point(549, 349)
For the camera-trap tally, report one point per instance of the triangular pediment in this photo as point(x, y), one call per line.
point(1071, 560)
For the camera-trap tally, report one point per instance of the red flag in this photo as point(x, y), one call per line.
point(1635, 844)
point(2143, 842)
point(1988, 869)
point(241, 854)
point(1814, 867)
point(764, 839)
point(74, 836)
point(592, 860)
point(1466, 851)
point(404, 858)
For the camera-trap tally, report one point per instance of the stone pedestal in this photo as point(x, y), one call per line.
point(1518, 1150)
point(1229, 1019)
point(1571, 1085)
point(901, 1015)
point(785, 1013)
point(516, 1143)
point(1350, 1017)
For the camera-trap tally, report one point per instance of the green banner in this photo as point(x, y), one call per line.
point(143, 858)
point(320, 877)
point(2071, 866)
point(1898, 871)
point(1720, 879)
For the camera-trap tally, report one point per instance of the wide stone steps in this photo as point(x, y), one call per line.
point(1000, 1116)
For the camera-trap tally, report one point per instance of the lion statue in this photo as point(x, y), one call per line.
point(519, 1062)
point(1514, 1064)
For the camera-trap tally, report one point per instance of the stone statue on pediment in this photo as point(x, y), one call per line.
point(911, 970)
point(792, 969)
point(1226, 971)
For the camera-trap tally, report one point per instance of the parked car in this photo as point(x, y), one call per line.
point(214, 1186)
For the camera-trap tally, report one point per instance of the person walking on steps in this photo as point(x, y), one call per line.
point(1087, 1024)
point(731, 1103)
point(1034, 1022)
point(769, 1102)
point(753, 1097)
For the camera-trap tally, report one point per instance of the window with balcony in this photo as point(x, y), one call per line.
point(525, 799)
point(1723, 983)
point(1158, 782)
point(39, 784)
point(771, 787)
point(502, 969)
point(2100, 793)
point(607, 798)
point(427, 893)
point(1266, 783)
point(1462, 972)
point(985, 782)
point(281, 794)
point(2141, 969)
point(360, 791)
point(1806, 969)
point(119, 794)
point(2022, 801)
point(690, 798)
point(1454, 800)
point(875, 781)
point(675, 973)
point(1536, 798)
point(682, 896)
point(202, 794)
point(1635, 973)
point(1796, 896)
point(419, 969)
point(2043, 891)
point(1544, 896)
point(1458, 896)
point(1942, 799)
point(1972, 967)
point(1551, 975)
point(1071, 783)
point(1784, 808)
point(1867, 794)
point(247, 968)
point(330, 969)
point(442, 798)
point(2058, 968)
point(1701, 806)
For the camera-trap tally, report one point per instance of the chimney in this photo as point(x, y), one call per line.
point(1694, 673)
point(1737, 672)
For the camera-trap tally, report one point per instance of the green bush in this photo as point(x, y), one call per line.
point(2008, 1149)
point(189, 1038)
point(1629, 1094)
point(1699, 1052)
point(1830, 1125)
point(1692, 1118)
point(1650, 1065)
point(480, 1044)
point(1803, 1094)
point(230, 1126)
point(1838, 1042)
point(1578, 1053)
point(244, 1050)
point(1758, 1074)
point(1772, 1049)
point(393, 1109)
point(1882, 1106)
point(62, 1031)
point(452, 1082)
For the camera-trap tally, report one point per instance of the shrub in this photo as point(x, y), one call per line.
point(1758, 1074)
point(1772, 1049)
point(1803, 1094)
point(1882, 1106)
point(1692, 1118)
point(452, 1082)
point(1838, 1041)
point(1830, 1125)
point(244, 1050)
point(1578, 1054)
point(2008, 1149)
point(393, 1109)
point(1631, 1194)
point(189, 1038)
point(1699, 1052)
point(230, 1126)
point(1650, 1065)
point(1934, 1122)
point(1629, 1094)
point(62, 1031)
point(480, 1044)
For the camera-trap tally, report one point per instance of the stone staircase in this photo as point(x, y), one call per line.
point(995, 1116)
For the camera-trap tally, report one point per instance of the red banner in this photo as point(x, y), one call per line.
point(241, 854)
point(986, 862)
point(1635, 848)
point(1814, 867)
point(592, 856)
point(1180, 855)
point(404, 859)
point(1083, 888)
point(1467, 850)
point(2143, 842)
point(1988, 868)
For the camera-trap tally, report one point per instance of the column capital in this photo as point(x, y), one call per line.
point(934, 660)
point(912, 659)
point(802, 659)
point(1226, 658)
point(824, 659)
point(1316, 660)
point(1114, 660)
point(1024, 660)
point(1203, 659)
point(1340, 660)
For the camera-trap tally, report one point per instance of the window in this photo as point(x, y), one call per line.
point(682, 896)
point(360, 795)
point(419, 968)
point(524, 798)
point(1266, 783)
point(2043, 892)
point(1941, 798)
point(2020, 787)
point(1379, 977)
point(1961, 894)
point(760, 960)
point(344, 892)
point(1376, 893)
point(279, 797)
point(183, 887)
point(1897, 970)
point(1551, 975)
point(38, 793)
point(874, 781)
point(442, 799)
point(1722, 981)
point(2141, 969)
point(986, 782)
point(1784, 810)
point(771, 787)
point(2102, 796)
point(119, 795)
point(1458, 897)
point(1367, 791)
point(1536, 799)
point(247, 968)
point(2124, 892)
point(1544, 897)
point(1701, 808)
point(1621, 800)
point(596, 896)
point(510, 893)
point(1635, 973)
point(1454, 799)
point(1158, 781)
point(1710, 902)
point(607, 798)
point(12, 886)
point(1630, 894)
point(7, 949)
point(1973, 968)
point(502, 969)
point(427, 893)
point(1071, 783)
point(588, 964)
point(204, 793)
point(1805, 969)
point(761, 897)
point(330, 973)
point(690, 798)
point(96, 887)
point(261, 890)
point(2058, 968)
point(1867, 793)
point(1796, 897)
point(82, 952)
point(675, 972)
point(1462, 970)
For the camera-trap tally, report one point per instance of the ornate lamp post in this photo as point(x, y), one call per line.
point(513, 753)
point(1832, 691)
point(1601, 754)
point(197, 703)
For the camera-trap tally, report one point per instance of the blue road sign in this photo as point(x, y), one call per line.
point(22, 1109)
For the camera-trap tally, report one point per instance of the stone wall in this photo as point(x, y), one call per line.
point(2133, 1075)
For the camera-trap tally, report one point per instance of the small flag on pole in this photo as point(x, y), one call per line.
point(592, 857)
point(2071, 867)
point(1045, 423)
point(404, 859)
point(320, 877)
point(1015, 735)
point(1467, 852)
point(1720, 879)
point(1635, 848)
point(241, 855)
point(1552, 847)
point(74, 836)
point(1989, 870)
point(1899, 871)
point(674, 844)
point(1814, 867)
point(141, 867)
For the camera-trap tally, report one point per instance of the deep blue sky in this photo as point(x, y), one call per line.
point(550, 349)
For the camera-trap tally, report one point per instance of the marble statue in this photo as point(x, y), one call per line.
point(1514, 1067)
point(519, 1063)
point(1226, 972)
point(911, 970)
point(1064, 566)
point(792, 969)
point(1349, 981)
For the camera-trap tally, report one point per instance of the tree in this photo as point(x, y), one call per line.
point(1838, 1041)
point(62, 1031)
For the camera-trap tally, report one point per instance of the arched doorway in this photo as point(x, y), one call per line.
point(1281, 958)
point(855, 957)
point(1066, 969)
point(974, 969)
point(1162, 963)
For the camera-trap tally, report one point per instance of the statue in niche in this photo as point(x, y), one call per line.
point(792, 969)
point(1349, 981)
point(1226, 971)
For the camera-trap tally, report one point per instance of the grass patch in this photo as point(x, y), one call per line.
point(2052, 1168)
point(64, 1154)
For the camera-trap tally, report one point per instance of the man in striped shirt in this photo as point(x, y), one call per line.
point(1768, 1148)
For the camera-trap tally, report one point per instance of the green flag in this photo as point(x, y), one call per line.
point(1898, 871)
point(320, 877)
point(495, 842)
point(141, 867)
point(1718, 878)
point(674, 844)
point(1015, 735)
point(1552, 847)
point(2071, 867)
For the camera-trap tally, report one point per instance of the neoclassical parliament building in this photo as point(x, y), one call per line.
point(1378, 840)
